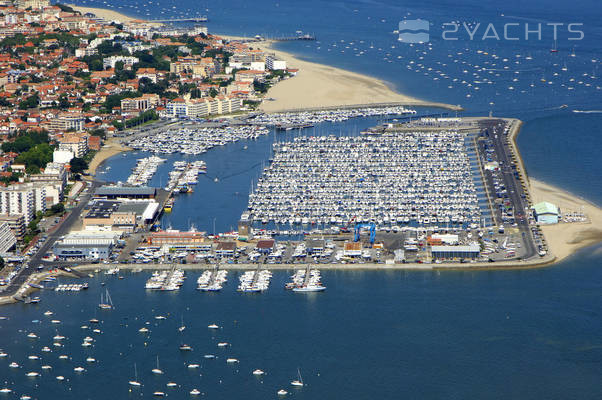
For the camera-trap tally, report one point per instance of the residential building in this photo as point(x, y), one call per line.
point(145, 102)
point(67, 121)
point(274, 64)
point(109, 62)
point(77, 143)
point(22, 200)
point(16, 223)
point(7, 238)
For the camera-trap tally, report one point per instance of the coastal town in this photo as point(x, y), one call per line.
point(300, 200)
point(414, 191)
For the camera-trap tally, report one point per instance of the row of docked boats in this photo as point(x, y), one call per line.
point(294, 120)
point(255, 281)
point(419, 177)
point(306, 280)
point(166, 280)
point(184, 175)
point(212, 280)
point(196, 140)
point(71, 287)
point(144, 170)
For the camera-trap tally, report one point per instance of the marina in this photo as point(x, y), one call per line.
point(394, 178)
point(197, 138)
point(195, 141)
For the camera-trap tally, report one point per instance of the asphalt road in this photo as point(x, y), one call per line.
point(512, 184)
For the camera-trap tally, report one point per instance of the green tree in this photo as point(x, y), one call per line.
point(64, 102)
point(78, 165)
point(58, 208)
point(30, 102)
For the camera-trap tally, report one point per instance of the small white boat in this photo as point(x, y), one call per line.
point(171, 384)
point(90, 359)
point(5, 390)
point(299, 381)
point(46, 367)
point(135, 382)
point(222, 344)
point(213, 326)
point(32, 335)
point(195, 392)
point(13, 365)
point(232, 360)
point(63, 357)
point(33, 357)
point(143, 330)
point(258, 372)
point(158, 394)
point(32, 374)
point(60, 378)
point(282, 392)
point(192, 366)
point(157, 370)
point(79, 369)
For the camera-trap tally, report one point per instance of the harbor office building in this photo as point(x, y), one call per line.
point(451, 253)
point(546, 213)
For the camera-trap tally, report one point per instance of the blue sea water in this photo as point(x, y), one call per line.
point(498, 334)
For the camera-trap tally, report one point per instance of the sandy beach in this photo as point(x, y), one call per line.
point(318, 85)
point(566, 238)
point(108, 150)
point(108, 15)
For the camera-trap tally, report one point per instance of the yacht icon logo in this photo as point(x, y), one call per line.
point(414, 31)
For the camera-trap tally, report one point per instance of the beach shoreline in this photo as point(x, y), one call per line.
point(110, 148)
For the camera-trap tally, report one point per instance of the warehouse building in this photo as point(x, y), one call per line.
point(125, 192)
point(451, 253)
point(86, 246)
point(120, 215)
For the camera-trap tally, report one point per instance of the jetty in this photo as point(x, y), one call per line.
point(306, 36)
point(202, 18)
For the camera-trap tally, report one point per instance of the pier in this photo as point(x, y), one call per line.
point(307, 36)
point(190, 19)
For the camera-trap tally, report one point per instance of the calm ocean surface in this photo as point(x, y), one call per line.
point(426, 335)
